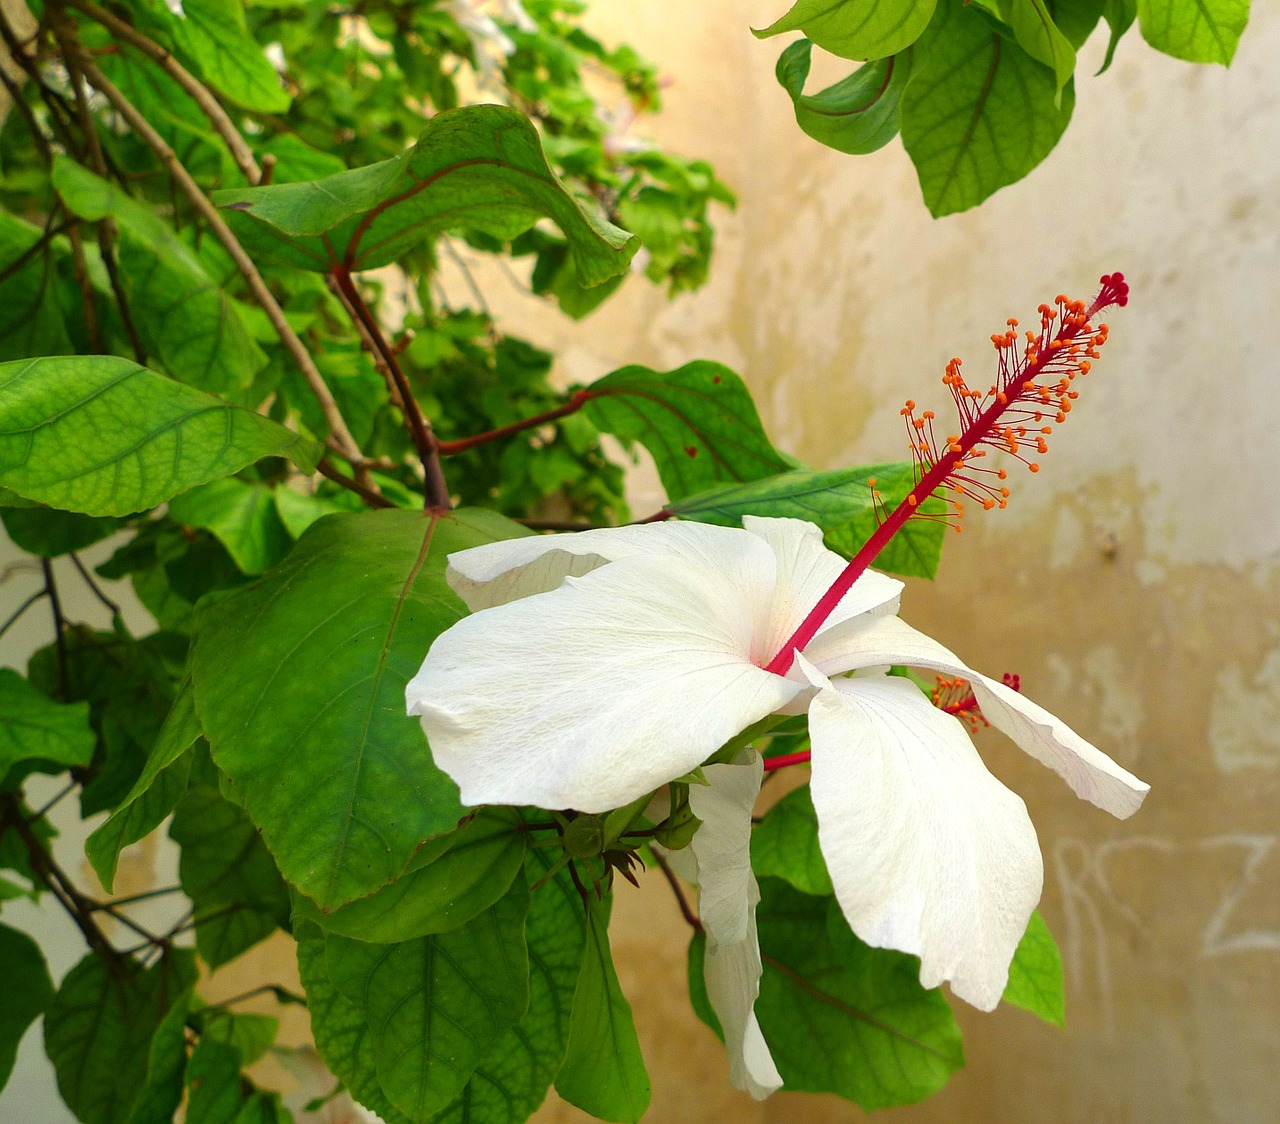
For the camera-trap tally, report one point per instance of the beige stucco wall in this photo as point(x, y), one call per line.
point(1133, 585)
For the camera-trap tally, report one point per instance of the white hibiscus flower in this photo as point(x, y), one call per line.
point(598, 666)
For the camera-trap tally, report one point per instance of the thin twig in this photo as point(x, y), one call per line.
point(112, 607)
point(340, 437)
point(51, 232)
point(52, 803)
point(59, 625)
point(13, 617)
point(145, 896)
point(282, 995)
point(372, 498)
point(200, 93)
point(686, 910)
point(424, 439)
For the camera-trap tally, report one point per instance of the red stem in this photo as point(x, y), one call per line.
point(449, 448)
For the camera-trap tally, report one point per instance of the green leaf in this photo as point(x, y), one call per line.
point(478, 168)
point(241, 515)
point(843, 1018)
point(101, 435)
point(212, 37)
point(32, 319)
point(166, 1067)
point(856, 115)
point(155, 793)
point(512, 1080)
point(1119, 15)
point(697, 421)
point(98, 1030)
point(785, 845)
point(698, 997)
point(228, 874)
point(338, 1026)
point(841, 503)
point(43, 734)
point(27, 988)
point(447, 883)
point(184, 318)
point(215, 1092)
point(436, 1004)
point(1040, 36)
point(979, 112)
point(48, 532)
point(603, 1072)
point(1035, 975)
point(250, 1036)
point(856, 29)
point(1195, 30)
point(300, 680)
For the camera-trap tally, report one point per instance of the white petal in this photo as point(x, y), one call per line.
point(732, 975)
point(593, 694)
point(1092, 775)
point(806, 570)
point(722, 845)
point(509, 569)
point(928, 852)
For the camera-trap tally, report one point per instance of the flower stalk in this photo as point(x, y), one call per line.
point(1033, 387)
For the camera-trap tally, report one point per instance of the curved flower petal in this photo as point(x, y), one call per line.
point(722, 845)
point(1091, 774)
point(591, 695)
point(806, 570)
point(928, 852)
point(727, 899)
point(503, 571)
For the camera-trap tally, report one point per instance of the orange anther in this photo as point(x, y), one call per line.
point(987, 505)
point(1033, 467)
point(1002, 474)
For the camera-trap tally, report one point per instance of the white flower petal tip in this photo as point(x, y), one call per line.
point(873, 641)
point(722, 845)
point(929, 854)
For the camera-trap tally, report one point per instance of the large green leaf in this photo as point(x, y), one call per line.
point(166, 1067)
point(843, 1018)
point(1035, 976)
point(477, 168)
point(101, 435)
point(300, 680)
point(785, 845)
point(979, 112)
point(449, 881)
point(436, 1005)
point(697, 421)
point(841, 503)
point(856, 29)
point(513, 1078)
point(227, 873)
point(48, 532)
point(1195, 30)
point(184, 318)
point(603, 1072)
point(856, 115)
point(27, 989)
point(32, 319)
point(212, 38)
point(1119, 15)
point(341, 1034)
point(44, 735)
point(155, 793)
point(98, 1030)
point(242, 515)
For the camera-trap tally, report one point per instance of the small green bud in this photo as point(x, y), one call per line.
point(584, 836)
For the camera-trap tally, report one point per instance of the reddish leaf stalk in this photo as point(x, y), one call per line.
point(1062, 354)
point(462, 444)
point(424, 439)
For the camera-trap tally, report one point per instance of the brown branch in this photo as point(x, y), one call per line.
point(200, 93)
point(424, 439)
point(686, 911)
point(59, 626)
point(340, 438)
point(451, 448)
point(372, 498)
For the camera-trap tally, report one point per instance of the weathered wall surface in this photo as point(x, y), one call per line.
point(1134, 585)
